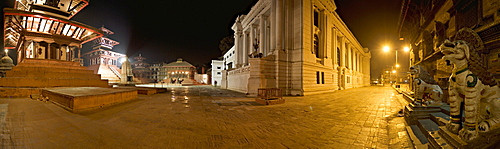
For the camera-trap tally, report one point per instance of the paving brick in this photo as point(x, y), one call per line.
point(353, 118)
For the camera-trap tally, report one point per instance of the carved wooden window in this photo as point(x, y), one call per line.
point(53, 3)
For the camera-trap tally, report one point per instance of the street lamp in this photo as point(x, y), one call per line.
point(387, 49)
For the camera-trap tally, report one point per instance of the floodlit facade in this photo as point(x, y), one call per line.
point(301, 47)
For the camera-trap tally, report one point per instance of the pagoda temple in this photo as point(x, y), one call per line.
point(47, 45)
point(103, 60)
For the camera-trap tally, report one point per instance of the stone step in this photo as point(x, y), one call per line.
point(51, 82)
point(52, 69)
point(427, 126)
point(440, 118)
point(445, 109)
point(46, 62)
point(416, 135)
point(437, 141)
point(50, 74)
point(452, 139)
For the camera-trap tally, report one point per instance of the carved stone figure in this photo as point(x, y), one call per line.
point(426, 88)
point(473, 92)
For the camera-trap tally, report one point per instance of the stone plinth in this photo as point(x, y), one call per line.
point(78, 99)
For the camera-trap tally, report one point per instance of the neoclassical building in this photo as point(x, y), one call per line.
point(301, 47)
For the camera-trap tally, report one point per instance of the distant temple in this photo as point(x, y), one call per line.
point(141, 69)
point(102, 60)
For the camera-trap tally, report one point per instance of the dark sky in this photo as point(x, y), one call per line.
point(164, 30)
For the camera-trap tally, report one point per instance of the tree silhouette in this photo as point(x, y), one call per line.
point(226, 43)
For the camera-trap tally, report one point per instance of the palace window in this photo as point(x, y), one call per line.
point(316, 18)
point(316, 45)
point(338, 56)
point(320, 77)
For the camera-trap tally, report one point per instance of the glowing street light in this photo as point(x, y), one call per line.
point(386, 48)
point(6, 51)
point(406, 49)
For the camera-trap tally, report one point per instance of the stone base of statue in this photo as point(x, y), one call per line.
point(269, 96)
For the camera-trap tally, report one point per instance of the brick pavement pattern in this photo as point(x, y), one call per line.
point(208, 117)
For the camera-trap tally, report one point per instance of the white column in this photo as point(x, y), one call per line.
point(237, 48)
point(262, 29)
point(245, 48)
point(252, 39)
point(342, 52)
point(279, 24)
point(334, 46)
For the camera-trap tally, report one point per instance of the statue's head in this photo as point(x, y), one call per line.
point(455, 52)
point(422, 74)
point(415, 70)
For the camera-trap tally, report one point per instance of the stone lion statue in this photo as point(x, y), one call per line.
point(473, 92)
point(426, 88)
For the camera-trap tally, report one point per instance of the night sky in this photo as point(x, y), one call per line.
point(164, 30)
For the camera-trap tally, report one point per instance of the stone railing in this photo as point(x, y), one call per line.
point(244, 69)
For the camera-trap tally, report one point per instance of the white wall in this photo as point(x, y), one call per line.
point(217, 67)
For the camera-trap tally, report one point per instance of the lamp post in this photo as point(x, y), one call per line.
point(387, 49)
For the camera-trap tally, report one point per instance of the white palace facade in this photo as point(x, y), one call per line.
point(299, 46)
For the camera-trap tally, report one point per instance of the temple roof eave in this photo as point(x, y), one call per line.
point(95, 32)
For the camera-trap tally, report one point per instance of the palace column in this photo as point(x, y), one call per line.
point(237, 48)
point(342, 47)
point(261, 36)
point(279, 24)
point(245, 47)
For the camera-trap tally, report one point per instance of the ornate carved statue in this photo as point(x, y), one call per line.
point(473, 92)
point(426, 88)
